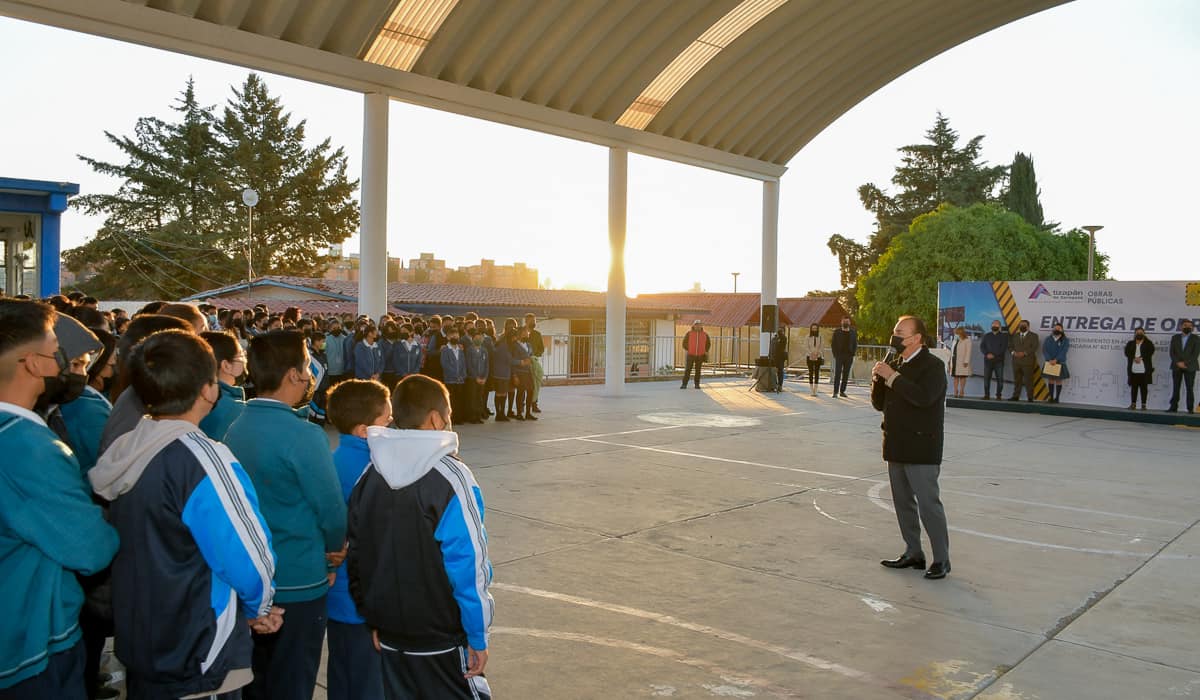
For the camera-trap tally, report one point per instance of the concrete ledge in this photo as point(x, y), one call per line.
point(1073, 410)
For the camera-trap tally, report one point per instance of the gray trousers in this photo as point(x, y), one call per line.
point(915, 492)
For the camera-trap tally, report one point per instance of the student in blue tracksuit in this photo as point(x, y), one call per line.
point(231, 366)
point(417, 552)
point(389, 339)
point(289, 462)
point(335, 352)
point(195, 563)
point(368, 356)
point(50, 530)
point(454, 373)
point(85, 416)
point(355, 672)
point(477, 375)
point(406, 354)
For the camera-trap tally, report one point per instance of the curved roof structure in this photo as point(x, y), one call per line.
point(735, 85)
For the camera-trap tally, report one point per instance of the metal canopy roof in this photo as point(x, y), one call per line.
point(738, 86)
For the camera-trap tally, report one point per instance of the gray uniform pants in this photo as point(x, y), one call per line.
point(915, 491)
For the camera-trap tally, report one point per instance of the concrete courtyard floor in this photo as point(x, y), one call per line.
point(725, 543)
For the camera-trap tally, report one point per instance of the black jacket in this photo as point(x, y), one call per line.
point(845, 343)
point(417, 559)
point(914, 410)
point(1185, 349)
point(779, 349)
point(1147, 359)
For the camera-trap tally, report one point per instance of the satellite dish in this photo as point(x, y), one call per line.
point(249, 197)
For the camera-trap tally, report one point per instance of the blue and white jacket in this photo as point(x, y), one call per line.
point(418, 559)
point(195, 560)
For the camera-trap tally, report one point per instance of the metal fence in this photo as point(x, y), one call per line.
point(582, 357)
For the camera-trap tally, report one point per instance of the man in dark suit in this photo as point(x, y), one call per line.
point(1025, 347)
point(995, 350)
point(1185, 359)
point(844, 345)
point(910, 389)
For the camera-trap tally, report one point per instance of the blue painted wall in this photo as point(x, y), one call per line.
point(48, 200)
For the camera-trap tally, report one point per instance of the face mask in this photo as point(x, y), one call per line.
point(309, 391)
point(478, 340)
point(995, 329)
point(1187, 331)
point(897, 343)
point(403, 336)
point(813, 331)
point(1024, 329)
point(1139, 336)
point(845, 326)
point(336, 332)
point(63, 388)
point(1057, 332)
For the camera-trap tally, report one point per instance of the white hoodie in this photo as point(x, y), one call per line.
point(403, 456)
point(119, 468)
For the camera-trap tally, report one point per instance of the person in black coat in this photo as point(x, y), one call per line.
point(910, 390)
point(1185, 360)
point(1139, 366)
point(779, 355)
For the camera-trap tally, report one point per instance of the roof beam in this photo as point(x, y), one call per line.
point(127, 22)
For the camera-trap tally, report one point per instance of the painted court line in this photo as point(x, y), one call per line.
point(740, 679)
point(875, 495)
point(677, 453)
point(623, 432)
point(793, 654)
point(877, 489)
point(878, 482)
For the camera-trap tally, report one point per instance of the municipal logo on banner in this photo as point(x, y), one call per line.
point(1059, 294)
point(1192, 295)
point(1039, 291)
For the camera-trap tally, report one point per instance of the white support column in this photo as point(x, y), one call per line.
point(770, 258)
point(614, 338)
point(372, 234)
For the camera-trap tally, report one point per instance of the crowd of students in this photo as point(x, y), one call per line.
point(216, 538)
point(466, 353)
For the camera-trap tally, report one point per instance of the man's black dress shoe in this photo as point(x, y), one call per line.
point(904, 562)
point(938, 569)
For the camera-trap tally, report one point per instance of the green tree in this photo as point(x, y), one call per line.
point(158, 238)
point(979, 242)
point(930, 174)
point(176, 225)
point(305, 199)
point(1022, 195)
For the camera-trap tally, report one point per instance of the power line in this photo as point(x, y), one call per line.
point(132, 264)
point(176, 264)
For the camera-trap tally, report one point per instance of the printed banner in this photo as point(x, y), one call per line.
point(1097, 317)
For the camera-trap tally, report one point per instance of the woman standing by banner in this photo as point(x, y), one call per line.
point(1054, 351)
point(960, 362)
point(1139, 366)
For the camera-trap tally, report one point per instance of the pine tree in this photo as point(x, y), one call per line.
point(176, 224)
point(1022, 195)
point(305, 202)
point(157, 240)
point(929, 174)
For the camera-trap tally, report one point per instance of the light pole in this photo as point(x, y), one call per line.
point(1091, 247)
point(249, 198)
point(737, 332)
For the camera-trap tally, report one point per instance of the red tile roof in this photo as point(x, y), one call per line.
point(723, 310)
point(805, 311)
point(460, 295)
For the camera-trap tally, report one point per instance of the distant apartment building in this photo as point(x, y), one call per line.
point(427, 269)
